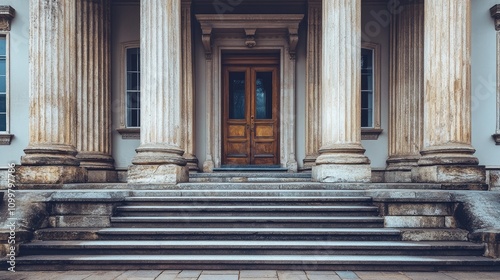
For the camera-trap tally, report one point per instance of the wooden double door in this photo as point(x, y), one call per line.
point(250, 117)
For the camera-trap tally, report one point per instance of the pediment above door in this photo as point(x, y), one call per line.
point(248, 26)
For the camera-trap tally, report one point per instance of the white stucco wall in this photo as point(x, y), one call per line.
point(375, 24)
point(484, 95)
point(19, 83)
point(125, 27)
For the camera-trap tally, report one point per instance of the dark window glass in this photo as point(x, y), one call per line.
point(3, 103)
point(264, 95)
point(3, 122)
point(237, 95)
point(367, 85)
point(133, 79)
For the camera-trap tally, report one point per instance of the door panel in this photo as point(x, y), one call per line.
point(250, 114)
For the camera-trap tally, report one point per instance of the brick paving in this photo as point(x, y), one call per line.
point(244, 275)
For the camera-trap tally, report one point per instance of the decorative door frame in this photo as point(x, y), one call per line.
point(259, 33)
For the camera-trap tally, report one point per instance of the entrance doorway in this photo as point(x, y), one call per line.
point(250, 115)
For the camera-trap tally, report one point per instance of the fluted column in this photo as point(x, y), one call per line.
point(159, 157)
point(313, 78)
point(406, 92)
point(342, 156)
point(93, 89)
point(447, 154)
point(51, 154)
point(188, 98)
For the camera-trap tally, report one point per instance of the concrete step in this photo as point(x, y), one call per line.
point(250, 233)
point(301, 186)
point(250, 200)
point(259, 210)
point(248, 193)
point(301, 262)
point(250, 176)
point(210, 247)
point(247, 221)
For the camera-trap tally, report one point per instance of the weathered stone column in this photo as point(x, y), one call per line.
point(93, 90)
point(447, 155)
point(406, 92)
point(51, 154)
point(342, 156)
point(188, 97)
point(159, 157)
point(313, 78)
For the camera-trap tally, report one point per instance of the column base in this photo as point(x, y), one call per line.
point(94, 161)
point(399, 169)
point(460, 176)
point(342, 173)
point(50, 175)
point(191, 162)
point(309, 162)
point(208, 166)
point(46, 154)
point(158, 174)
point(102, 176)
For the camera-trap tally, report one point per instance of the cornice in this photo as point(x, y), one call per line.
point(495, 14)
point(7, 13)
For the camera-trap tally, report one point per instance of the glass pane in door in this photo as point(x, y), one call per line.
point(264, 95)
point(237, 95)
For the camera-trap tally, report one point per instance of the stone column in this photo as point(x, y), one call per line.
point(159, 157)
point(93, 90)
point(406, 92)
point(51, 154)
point(188, 98)
point(342, 156)
point(447, 155)
point(313, 78)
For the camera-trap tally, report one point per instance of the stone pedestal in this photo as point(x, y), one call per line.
point(51, 155)
point(93, 90)
point(447, 101)
point(406, 92)
point(341, 156)
point(159, 157)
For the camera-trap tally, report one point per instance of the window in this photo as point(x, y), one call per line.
point(3, 84)
point(130, 90)
point(370, 91)
point(367, 87)
point(133, 101)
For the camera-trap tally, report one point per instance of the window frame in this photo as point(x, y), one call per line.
point(5, 136)
point(125, 131)
point(372, 133)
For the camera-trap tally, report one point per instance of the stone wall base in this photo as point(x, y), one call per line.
point(158, 174)
point(102, 176)
point(451, 176)
point(342, 173)
point(397, 176)
point(48, 175)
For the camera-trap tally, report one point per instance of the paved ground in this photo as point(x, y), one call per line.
point(246, 275)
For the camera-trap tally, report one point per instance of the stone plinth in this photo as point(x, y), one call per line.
point(154, 174)
point(39, 175)
point(449, 174)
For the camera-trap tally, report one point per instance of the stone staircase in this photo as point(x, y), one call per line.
point(282, 221)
